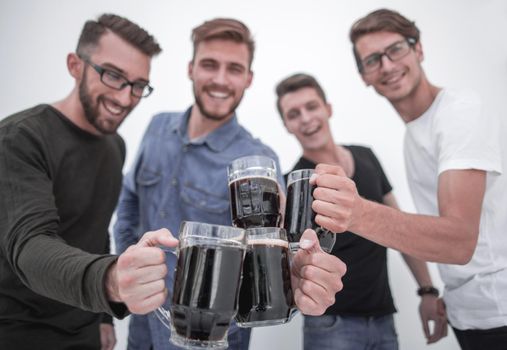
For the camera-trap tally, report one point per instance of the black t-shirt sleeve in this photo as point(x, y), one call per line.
point(386, 185)
point(29, 224)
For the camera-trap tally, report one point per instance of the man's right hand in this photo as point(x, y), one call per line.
point(336, 201)
point(138, 277)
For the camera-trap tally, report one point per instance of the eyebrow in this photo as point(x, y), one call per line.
point(380, 52)
point(111, 66)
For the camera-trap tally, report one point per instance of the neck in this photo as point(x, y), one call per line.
point(72, 109)
point(418, 102)
point(199, 125)
point(326, 154)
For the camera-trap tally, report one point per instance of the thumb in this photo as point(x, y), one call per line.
point(309, 241)
point(162, 237)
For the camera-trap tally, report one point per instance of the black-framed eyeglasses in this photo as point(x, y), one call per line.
point(394, 52)
point(116, 81)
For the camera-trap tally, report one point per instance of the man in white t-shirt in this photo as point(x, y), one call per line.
point(454, 162)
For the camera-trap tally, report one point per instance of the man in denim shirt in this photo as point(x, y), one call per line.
point(180, 172)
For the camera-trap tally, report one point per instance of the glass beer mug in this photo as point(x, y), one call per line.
point(206, 285)
point(299, 214)
point(265, 296)
point(254, 192)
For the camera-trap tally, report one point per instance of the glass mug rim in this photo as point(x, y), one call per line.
point(251, 166)
point(298, 175)
point(237, 235)
point(254, 234)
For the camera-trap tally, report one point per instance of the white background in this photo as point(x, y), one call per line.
point(464, 43)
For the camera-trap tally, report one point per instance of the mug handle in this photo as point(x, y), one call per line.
point(164, 316)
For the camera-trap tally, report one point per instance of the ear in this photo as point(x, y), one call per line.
point(329, 109)
point(249, 79)
point(419, 51)
point(75, 66)
point(190, 69)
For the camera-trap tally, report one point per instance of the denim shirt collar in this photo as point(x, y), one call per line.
point(217, 140)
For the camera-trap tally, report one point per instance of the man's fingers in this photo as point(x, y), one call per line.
point(144, 275)
point(307, 305)
point(162, 237)
point(136, 256)
point(149, 303)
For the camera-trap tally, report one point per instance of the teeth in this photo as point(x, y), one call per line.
point(311, 131)
point(112, 107)
point(218, 94)
point(393, 79)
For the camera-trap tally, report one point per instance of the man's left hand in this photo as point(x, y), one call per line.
point(316, 276)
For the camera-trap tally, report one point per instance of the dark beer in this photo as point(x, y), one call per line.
point(203, 302)
point(254, 202)
point(266, 294)
point(299, 215)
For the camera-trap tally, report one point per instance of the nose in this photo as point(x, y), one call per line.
point(124, 96)
point(220, 76)
point(386, 62)
point(305, 116)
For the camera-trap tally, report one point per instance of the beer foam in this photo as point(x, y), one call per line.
point(254, 177)
point(269, 242)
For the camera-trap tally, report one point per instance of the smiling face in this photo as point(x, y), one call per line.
point(306, 115)
point(106, 108)
point(396, 80)
point(220, 74)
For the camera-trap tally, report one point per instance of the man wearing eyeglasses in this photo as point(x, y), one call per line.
point(60, 176)
point(453, 156)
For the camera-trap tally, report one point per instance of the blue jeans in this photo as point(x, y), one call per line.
point(349, 333)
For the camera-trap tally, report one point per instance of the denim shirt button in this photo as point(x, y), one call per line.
point(163, 214)
point(174, 181)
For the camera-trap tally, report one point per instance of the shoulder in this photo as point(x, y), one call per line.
point(163, 121)
point(166, 118)
point(30, 124)
point(360, 151)
point(462, 103)
point(460, 96)
point(26, 118)
point(245, 139)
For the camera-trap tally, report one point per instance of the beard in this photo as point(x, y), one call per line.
point(91, 110)
point(214, 116)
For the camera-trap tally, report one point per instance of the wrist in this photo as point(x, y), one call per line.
point(427, 291)
point(111, 283)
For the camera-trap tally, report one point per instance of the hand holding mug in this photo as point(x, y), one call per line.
point(316, 276)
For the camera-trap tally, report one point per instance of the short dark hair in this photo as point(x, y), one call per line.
point(295, 82)
point(124, 28)
point(225, 29)
point(382, 20)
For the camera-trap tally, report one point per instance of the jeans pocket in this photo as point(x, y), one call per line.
point(321, 323)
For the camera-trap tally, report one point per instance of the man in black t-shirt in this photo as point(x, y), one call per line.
point(363, 311)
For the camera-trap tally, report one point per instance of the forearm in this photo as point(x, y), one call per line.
point(51, 268)
point(428, 238)
point(419, 270)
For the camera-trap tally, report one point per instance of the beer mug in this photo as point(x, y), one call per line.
point(265, 296)
point(206, 285)
point(254, 192)
point(299, 214)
